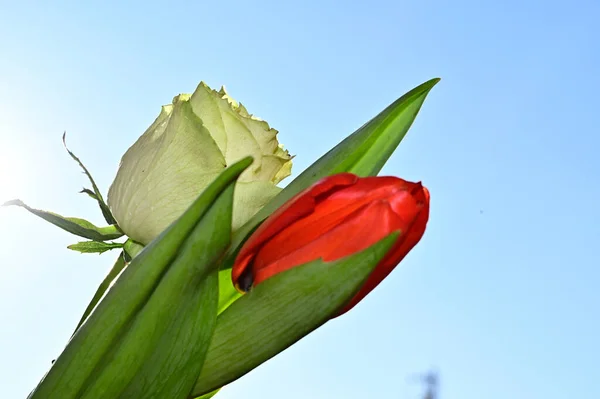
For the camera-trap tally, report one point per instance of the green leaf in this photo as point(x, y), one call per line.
point(151, 281)
point(374, 143)
point(164, 348)
point(227, 292)
point(93, 247)
point(364, 153)
point(132, 249)
point(89, 193)
point(112, 274)
point(79, 227)
point(280, 311)
point(208, 395)
point(97, 194)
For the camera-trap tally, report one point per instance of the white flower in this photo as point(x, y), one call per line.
point(183, 151)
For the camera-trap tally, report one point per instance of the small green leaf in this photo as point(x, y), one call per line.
point(280, 311)
point(79, 227)
point(97, 194)
point(94, 247)
point(89, 192)
point(132, 248)
point(112, 274)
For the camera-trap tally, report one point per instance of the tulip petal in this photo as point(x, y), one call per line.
point(414, 219)
point(356, 232)
point(316, 220)
point(298, 207)
point(332, 205)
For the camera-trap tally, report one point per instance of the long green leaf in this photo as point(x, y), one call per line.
point(130, 249)
point(112, 274)
point(164, 348)
point(79, 227)
point(113, 315)
point(280, 311)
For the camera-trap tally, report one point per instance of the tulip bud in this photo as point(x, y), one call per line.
point(338, 216)
point(183, 151)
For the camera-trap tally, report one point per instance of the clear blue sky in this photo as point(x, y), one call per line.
point(501, 296)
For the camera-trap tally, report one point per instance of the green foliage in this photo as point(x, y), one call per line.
point(77, 226)
point(94, 247)
point(280, 311)
point(151, 330)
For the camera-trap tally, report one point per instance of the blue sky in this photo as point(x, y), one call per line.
point(501, 296)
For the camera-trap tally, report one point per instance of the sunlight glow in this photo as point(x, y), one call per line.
point(12, 174)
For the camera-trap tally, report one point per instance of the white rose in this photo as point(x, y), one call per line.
point(184, 150)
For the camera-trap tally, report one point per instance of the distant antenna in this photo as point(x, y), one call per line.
point(431, 382)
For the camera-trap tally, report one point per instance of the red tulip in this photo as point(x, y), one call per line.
point(336, 217)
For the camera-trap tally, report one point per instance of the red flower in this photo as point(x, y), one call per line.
point(336, 217)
